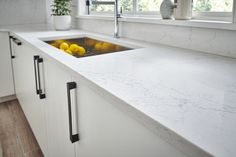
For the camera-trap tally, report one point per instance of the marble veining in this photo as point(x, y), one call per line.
point(188, 95)
point(188, 98)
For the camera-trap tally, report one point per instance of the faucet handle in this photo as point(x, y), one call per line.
point(121, 10)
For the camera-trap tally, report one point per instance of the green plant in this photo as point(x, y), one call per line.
point(61, 7)
point(202, 5)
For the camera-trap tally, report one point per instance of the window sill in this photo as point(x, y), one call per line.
point(149, 20)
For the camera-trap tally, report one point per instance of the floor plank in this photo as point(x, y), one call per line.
point(16, 136)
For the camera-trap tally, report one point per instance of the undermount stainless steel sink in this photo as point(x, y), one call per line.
point(91, 46)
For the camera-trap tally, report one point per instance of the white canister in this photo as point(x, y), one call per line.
point(62, 23)
point(182, 9)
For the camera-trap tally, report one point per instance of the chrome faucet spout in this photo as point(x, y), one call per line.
point(117, 14)
point(116, 17)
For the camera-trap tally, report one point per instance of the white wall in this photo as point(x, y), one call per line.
point(14, 12)
point(216, 41)
point(22, 12)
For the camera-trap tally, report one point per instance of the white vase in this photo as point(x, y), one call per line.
point(62, 23)
point(183, 9)
point(166, 9)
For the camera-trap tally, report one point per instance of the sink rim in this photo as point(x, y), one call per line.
point(115, 41)
point(106, 39)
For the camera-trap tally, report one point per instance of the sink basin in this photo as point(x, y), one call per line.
point(91, 46)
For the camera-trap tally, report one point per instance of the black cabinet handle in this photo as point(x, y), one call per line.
point(12, 56)
point(70, 86)
point(39, 90)
point(36, 57)
point(16, 41)
point(41, 94)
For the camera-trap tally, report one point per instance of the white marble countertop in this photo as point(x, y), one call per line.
point(186, 97)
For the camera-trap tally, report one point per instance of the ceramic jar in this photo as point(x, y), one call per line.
point(62, 23)
point(182, 9)
point(166, 9)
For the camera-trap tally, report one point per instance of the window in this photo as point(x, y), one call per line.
point(213, 9)
point(149, 5)
point(102, 8)
point(202, 9)
point(127, 6)
point(130, 7)
point(213, 5)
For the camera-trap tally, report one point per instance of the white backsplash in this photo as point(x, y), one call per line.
point(215, 41)
point(22, 12)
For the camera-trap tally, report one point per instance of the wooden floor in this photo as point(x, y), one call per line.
point(16, 137)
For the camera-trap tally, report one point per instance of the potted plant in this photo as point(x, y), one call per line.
point(61, 10)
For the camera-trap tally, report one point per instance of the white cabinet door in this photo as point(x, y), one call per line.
point(30, 102)
point(106, 131)
point(48, 117)
point(6, 77)
point(23, 76)
point(59, 144)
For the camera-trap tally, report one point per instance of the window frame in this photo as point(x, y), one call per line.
point(213, 16)
point(208, 16)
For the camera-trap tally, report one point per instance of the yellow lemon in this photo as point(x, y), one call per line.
point(90, 42)
point(54, 44)
point(118, 48)
point(69, 52)
point(81, 51)
point(62, 50)
point(57, 43)
point(106, 47)
point(73, 47)
point(64, 46)
point(98, 46)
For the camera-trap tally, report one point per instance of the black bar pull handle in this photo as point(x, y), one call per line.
point(40, 91)
point(11, 50)
point(16, 41)
point(70, 86)
point(36, 57)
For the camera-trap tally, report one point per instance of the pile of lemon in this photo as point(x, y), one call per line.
point(105, 47)
point(72, 49)
point(102, 47)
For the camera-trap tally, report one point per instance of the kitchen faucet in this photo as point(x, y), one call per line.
point(117, 14)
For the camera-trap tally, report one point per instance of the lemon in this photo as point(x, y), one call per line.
point(90, 42)
point(106, 47)
point(69, 52)
point(98, 46)
point(81, 51)
point(64, 46)
point(54, 44)
point(63, 50)
point(57, 43)
point(118, 48)
point(74, 47)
